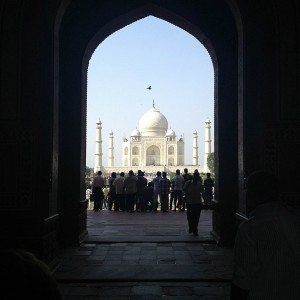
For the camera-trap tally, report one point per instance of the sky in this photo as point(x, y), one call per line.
point(149, 52)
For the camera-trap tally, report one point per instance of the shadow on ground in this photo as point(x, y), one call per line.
point(145, 256)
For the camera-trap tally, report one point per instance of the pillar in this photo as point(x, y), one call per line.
point(207, 144)
point(195, 148)
point(98, 152)
point(111, 157)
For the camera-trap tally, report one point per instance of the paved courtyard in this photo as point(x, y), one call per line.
point(145, 256)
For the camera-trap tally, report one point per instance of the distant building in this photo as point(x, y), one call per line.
point(151, 147)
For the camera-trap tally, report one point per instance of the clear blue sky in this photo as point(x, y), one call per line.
point(149, 52)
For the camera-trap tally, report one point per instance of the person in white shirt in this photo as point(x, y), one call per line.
point(267, 247)
point(97, 186)
point(156, 190)
point(178, 181)
point(88, 193)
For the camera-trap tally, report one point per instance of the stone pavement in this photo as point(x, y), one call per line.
point(145, 256)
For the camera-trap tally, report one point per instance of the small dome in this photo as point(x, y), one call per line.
point(170, 132)
point(207, 120)
point(135, 132)
point(195, 132)
point(153, 123)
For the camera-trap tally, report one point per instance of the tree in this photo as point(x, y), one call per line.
point(89, 173)
point(211, 162)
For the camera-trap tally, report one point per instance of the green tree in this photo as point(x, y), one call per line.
point(89, 173)
point(171, 175)
point(211, 162)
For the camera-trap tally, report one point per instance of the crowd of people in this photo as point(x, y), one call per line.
point(184, 192)
point(135, 193)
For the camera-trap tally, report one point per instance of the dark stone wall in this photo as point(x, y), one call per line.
point(270, 121)
point(28, 211)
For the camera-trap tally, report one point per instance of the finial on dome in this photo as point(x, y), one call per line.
point(153, 104)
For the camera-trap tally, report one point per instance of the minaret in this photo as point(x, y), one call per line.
point(111, 158)
point(98, 152)
point(195, 148)
point(207, 144)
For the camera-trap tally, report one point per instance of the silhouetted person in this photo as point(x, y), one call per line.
point(148, 196)
point(178, 181)
point(208, 190)
point(140, 184)
point(172, 196)
point(186, 177)
point(156, 190)
point(23, 276)
point(193, 190)
point(164, 190)
point(97, 190)
point(199, 178)
point(130, 190)
point(267, 246)
point(120, 201)
point(112, 193)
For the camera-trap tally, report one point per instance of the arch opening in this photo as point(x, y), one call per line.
point(225, 153)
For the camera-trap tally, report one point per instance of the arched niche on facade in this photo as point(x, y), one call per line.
point(203, 20)
point(153, 156)
point(135, 150)
point(126, 162)
point(171, 161)
point(135, 161)
point(171, 150)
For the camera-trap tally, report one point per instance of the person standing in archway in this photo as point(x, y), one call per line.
point(120, 193)
point(208, 191)
point(267, 245)
point(112, 193)
point(141, 184)
point(156, 190)
point(187, 177)
point(178, 181)
point(97, 190)
point(130, 190)
point(164, 190)
point(193, 190)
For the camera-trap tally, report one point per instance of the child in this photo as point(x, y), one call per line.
point(105, 192)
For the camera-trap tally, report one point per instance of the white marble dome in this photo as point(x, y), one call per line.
point(170, 132)
point(135, 132)
point(153, 123)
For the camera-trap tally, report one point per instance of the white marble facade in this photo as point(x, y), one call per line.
point(151, 147)
point(152, 144)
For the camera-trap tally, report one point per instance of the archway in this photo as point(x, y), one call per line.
point(135, 151)
point(74, 62)
point(171, 150)
point(153, 156)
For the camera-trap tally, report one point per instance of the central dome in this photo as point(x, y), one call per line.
point(153, 123)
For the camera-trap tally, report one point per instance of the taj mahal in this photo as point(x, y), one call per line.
point(152, 147)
